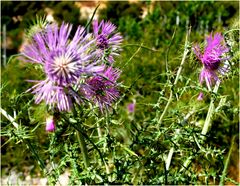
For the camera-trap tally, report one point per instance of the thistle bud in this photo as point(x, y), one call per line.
point(131, 107)
point(50, 126)
point(200, 96)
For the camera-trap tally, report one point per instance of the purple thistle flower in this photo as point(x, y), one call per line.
point(102, 89)
point(107, 39)
point(64, 61)
point(50, 126)
point(212, 59)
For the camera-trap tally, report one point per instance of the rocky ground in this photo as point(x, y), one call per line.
point(15, 178)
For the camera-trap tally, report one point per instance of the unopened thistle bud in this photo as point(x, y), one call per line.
point(131, 107)
point(200, 96)
point(50, 126)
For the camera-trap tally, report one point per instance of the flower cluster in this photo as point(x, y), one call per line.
point(73, 66)
point(212, 59)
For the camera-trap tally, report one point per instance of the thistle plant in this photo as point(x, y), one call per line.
point(74, 72)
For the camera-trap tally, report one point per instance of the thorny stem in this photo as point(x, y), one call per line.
point(227, 161)
point(236, 29)
point(170, 154)
point(169, 158)
point(99, 131)
point(207, 122)
point(132, 56)
point(10, 118)
point(28, 143)
point(186, 50)
point(210, 111)
point(166, 107)
point(82, 143)
point(104, 147)
point(168, 49)
point(83, 149)
point(100, 137)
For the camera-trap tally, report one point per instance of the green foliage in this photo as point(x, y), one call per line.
point(115, 10)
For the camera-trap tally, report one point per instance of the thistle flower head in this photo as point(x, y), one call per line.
point(213, 52)
point(107, 39)
point(64, 60)
point(212, 58)
point(102, 89)
point(68, 61)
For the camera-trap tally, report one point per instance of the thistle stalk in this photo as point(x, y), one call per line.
point(83, 149)
point(169, 158)
point(186, 50)
point(81, 142)
point(10, 118)
point(227, 161)
point(207, 122)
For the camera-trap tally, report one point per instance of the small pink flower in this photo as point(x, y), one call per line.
point(131, 107)
point(50, 126)
point(200, 96)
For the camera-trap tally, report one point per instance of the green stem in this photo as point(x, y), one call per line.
point(83, 149)
point(177, 77)
point(169, 158)
point(236, 29)
point(132, 56)
point(10, 118)
point(170, 154)
point(168, 49)
point(141, 46)
point(165, 109)
point(224, 173)
point(207, 122)
point(81, 142)
point(88, 23)
point(186, 163)
point(99, 131)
